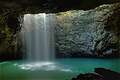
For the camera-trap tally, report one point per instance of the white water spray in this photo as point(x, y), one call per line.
point(38, 36)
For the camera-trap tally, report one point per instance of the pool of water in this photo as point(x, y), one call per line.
point(60, 69)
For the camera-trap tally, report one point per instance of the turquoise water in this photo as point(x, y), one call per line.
point(61, 69)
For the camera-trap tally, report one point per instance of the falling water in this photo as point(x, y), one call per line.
point(38, 35)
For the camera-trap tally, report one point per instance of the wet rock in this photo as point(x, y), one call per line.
point(83, 33)
point(52, 5)
point(89, 76)
point(108, 74)
point(100, 74)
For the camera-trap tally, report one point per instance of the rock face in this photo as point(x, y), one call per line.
point(9, 42)
point(50, 5)
point(82, 33)
point(78, 32)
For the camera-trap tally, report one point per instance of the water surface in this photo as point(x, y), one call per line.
point(61, 69)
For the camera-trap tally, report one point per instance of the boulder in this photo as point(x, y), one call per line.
point(99, 74)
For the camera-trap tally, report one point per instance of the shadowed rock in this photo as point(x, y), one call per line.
point(100, 74)
point(108, 74)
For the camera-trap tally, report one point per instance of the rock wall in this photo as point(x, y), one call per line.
point(9, 43)
point(51, 5)
point(78, 33)
point(83, 33)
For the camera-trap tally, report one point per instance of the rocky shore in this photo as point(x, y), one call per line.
point(99, 74)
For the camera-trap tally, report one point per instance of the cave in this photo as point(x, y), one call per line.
point(58, 39)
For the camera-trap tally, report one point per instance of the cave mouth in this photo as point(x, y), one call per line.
point(14, 22)
point(78, 31)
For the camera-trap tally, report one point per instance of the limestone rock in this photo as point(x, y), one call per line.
point(82, 33)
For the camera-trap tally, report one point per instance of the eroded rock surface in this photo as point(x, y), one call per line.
point(93, 32)
point(83, 33)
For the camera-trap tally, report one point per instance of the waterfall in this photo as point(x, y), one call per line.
point(38, 36)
